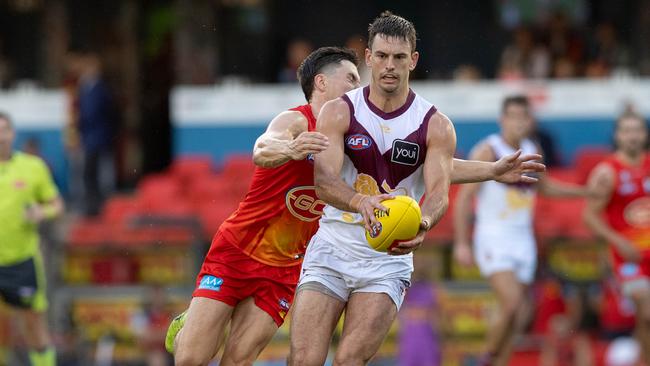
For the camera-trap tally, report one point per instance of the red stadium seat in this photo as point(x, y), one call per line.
point(443, 232)
point(240, 168)
point(89, 232)
point(189, 167)
point(587, 159)
point(548, 218)
point(211, 188)
point(568, 175)
point(212, 215)
point(119, 209)
point(159, 186)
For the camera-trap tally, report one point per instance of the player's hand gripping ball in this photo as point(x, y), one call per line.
point(400, 222)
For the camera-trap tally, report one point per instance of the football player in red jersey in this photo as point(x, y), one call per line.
point(619, 212)
point(249, 276)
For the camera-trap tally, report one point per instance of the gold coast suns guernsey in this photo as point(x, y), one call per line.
point(280, 212)
point(384, 153)
point(628, 209)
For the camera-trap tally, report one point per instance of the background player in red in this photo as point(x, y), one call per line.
point(619, 212)
point(250, 273)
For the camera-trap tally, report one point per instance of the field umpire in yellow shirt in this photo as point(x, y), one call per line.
point(27, 197)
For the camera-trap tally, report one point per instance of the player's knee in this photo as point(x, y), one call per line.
point(511, 308)
point(300, 355)
point(237, 353)
point(644, 316)
point(352, 356)
point(350, 359)
point(184, 358)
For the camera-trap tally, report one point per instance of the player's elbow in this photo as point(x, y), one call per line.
point(588, 218)
point(258, 158)
point(263, 160)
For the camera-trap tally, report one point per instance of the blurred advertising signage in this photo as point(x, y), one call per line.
point(577, 261)
point(170, 267)
point(466, 311)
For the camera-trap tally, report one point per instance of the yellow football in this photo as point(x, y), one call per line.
point(400, 222)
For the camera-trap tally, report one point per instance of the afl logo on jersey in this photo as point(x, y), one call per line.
point(303, 203)
point(358, 142)
point(637, 213)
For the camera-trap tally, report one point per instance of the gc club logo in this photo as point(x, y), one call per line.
point(358, 142)
point(637, 213)
point(303, 203)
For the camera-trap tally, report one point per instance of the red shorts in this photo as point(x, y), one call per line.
point(230, 276)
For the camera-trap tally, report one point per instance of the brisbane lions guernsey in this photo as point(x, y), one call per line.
point(280, 212)
point(628, 210)
point(502, 208)
point(384, 153)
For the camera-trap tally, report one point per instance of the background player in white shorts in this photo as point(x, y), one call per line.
point(504, 243)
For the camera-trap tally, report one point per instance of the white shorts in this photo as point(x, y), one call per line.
point(343, 274)
point(506, 251)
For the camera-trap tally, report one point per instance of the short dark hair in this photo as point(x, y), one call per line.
point(630, 115)
point(391, 25)
point(521, 100)
point(5, 116)
point(319, 60)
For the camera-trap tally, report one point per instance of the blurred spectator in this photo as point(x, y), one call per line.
point(563, 42)
point(5, 68)
point(358, 44)
point(32, 146)
point(524, 56)
point(617, 314)
point(419, 341)
point(565, 347)
point(547, 293)
point(608, 51)
point(596, 69)
point(564, 68)
point(467, 73)
point(71, 138)
point(297, 50)
point(561, 319)
point(97, 128)
point(545, 142)
point(150, 328)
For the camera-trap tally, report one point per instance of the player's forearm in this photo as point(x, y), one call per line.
point(461, 218)
point(334, 192)
point(601, 228)
point(271, 152)
point(553, 188)
point(435, 205)
point(470, 171)
point(53, 209)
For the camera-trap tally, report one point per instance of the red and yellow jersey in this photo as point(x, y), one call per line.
point(628, 210)
point(280, 213)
